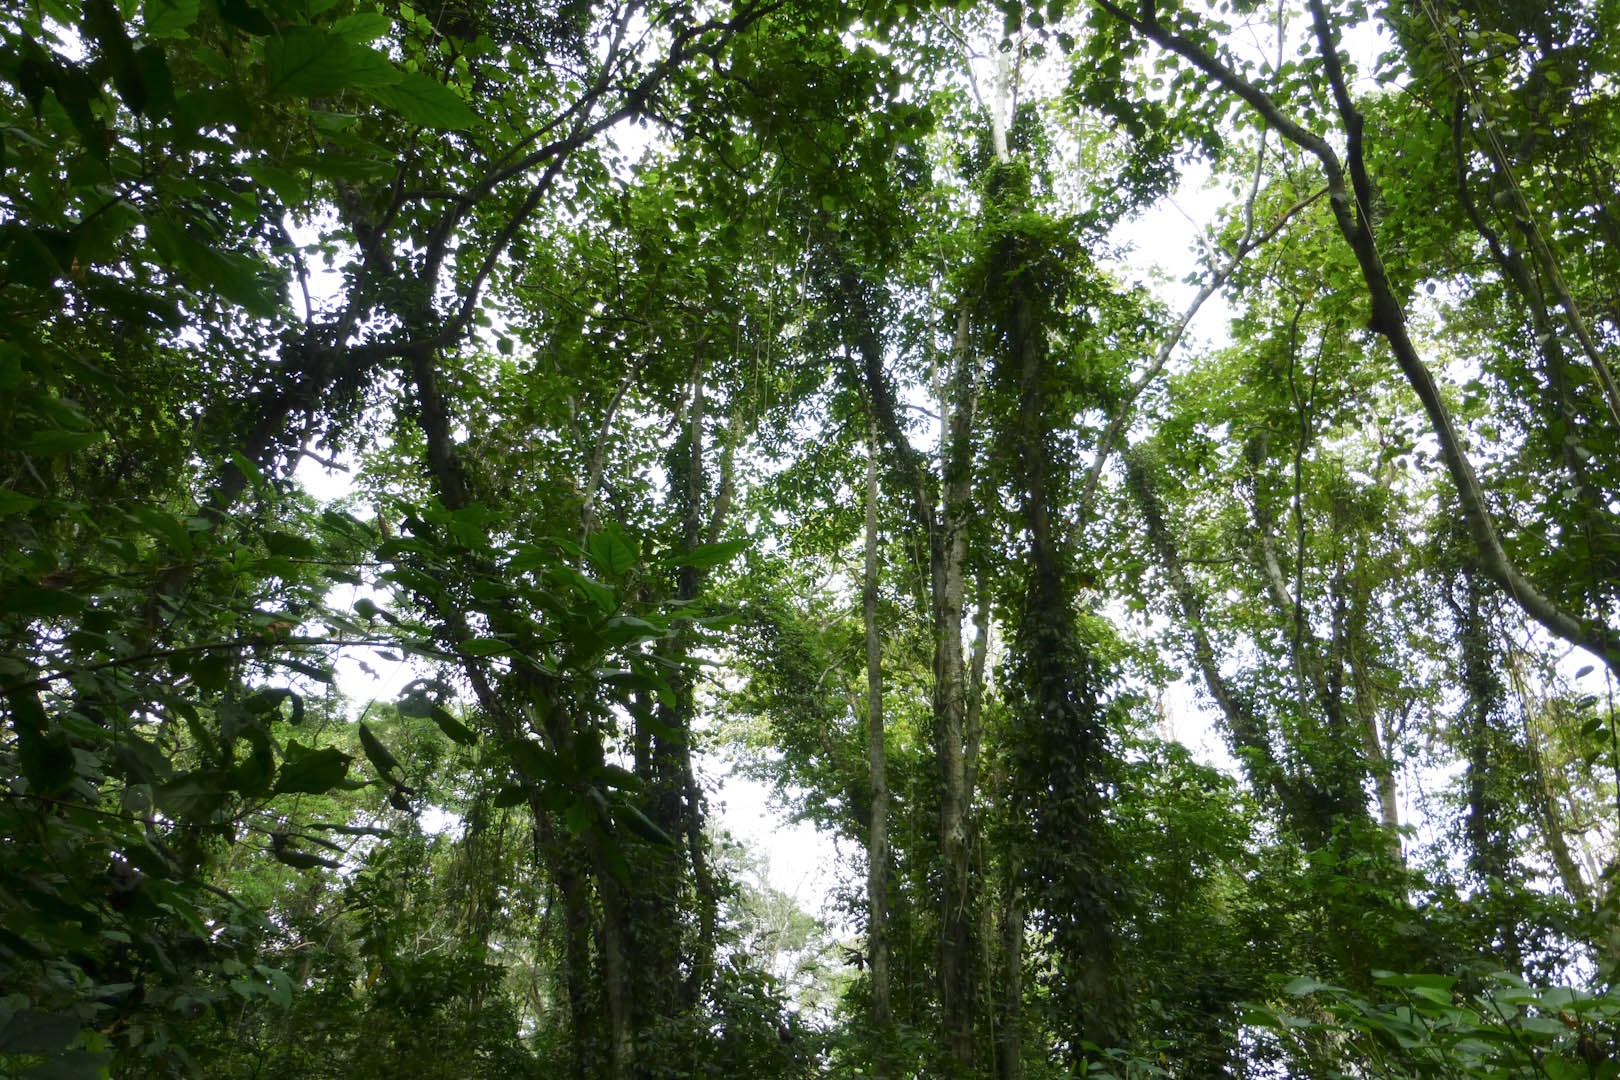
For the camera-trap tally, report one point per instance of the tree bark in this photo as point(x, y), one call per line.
point(948, 555)
point(945, 528)
point(877, 836)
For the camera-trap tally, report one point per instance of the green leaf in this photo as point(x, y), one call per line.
point(1433, 982)
point(536, 762)
point(240, 279)
point(612, 552)
point(1303, 985)
point(15, 502)
point(642, 825)
point(485, 647)
point(168, 18)
point(369, 68)
point(383, 761)
point(421, 100)
point(599, 596)
point(72, 1065)
point(306, 62)
point(310, 770)
point(705, 556)
point(105, 24)
point(37, 602)
point(455, 729)
point(511, 795)
point(290, 545)
point(154, 68)
point(244, 16)
point(362, 26)
point(196, 794)
point(58, 442)
point(288, 186)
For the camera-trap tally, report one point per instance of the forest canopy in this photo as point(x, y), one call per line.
point(1202, 673)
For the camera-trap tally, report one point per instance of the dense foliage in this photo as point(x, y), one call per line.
point(1199, 695)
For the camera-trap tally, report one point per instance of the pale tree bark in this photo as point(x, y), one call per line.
point(944, 524)
point(948, 556)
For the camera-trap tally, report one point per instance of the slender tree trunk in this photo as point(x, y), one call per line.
point(1010, 1029)
point(877, 837)
point(946, 529)
point(677, 805)
point(612, 929)
point(948, 557)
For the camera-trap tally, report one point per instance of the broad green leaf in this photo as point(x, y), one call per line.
point(705, 556)
point(485, 647)
point(31, 1032)
point(158, 81)
point(455, 729)
point(105, 24)
point(642, 825)
point(163, 525)
point(15, 502)
point(57, 442)
point(195, 794)
point(369, 68)
point(307, 61)
point(280, 987)
point(340, 166)
point(599, 596)
point(1302, 985)
point(423, 101)
point(311, 770)
point(511, 795)
point(244, 16)
point(168, 18)
point(242, 279)
point(362, 26)
point(288, 186)
point(1434, 982)
point(612, 552)
point(536, 762)
point(40, 602)
point(70, 1065)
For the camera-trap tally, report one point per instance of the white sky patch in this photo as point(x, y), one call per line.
point(801, 861)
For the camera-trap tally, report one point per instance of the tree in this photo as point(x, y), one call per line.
point(768, 374)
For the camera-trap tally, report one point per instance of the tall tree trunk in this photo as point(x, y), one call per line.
point(946, 529)
point(877, 836)
point(612, 930)
point(1060, 749)
point(948, 556)
point(677, 805)
point(1010, 1012)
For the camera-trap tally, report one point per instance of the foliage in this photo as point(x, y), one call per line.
point(611, 313)
point(1430, 1025)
